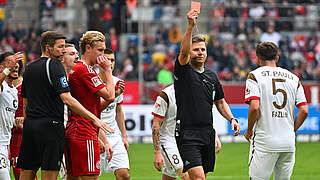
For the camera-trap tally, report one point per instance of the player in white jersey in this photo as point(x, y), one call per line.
point(164, 142)
point(8, 105)
point(114, 117)
point(272, 94)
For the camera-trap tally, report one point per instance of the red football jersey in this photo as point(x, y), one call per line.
point(84, 83)
point(19, 111)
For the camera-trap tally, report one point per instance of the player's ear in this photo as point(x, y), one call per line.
point(88, 47)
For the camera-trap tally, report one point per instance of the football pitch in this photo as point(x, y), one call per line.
point(231, 162)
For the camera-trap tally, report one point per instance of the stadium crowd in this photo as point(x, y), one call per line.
point(231, 41)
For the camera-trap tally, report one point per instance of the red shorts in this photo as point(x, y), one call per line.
point(15, 143)
point(82, 157)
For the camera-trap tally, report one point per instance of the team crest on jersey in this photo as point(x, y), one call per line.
point(247, 91)
point(96, 81)
point(157, 104)
point(98, 165)
point(64, 82)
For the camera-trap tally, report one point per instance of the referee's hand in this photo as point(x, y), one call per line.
point(103, 126)
point(235, 126)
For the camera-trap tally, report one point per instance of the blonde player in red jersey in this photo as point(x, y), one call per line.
point(272, 94)
point(82, 147)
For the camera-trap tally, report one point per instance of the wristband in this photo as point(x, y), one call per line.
point(6, 71)
point(233, 119)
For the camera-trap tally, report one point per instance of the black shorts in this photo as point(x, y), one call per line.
point(42, 144)
point(197, 148)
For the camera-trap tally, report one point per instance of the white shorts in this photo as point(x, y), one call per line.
point(262, 164)
point(171, 156)
point(4, 163)
point(119, 158)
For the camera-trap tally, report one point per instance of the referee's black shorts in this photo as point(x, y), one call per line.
point(197, 148)
point(42, 144)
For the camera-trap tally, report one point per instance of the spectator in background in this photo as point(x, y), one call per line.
point(106, 17)
point(164, 76)
point(61, 4)
point(174, 34)
point(5, 47)
point(271, 35)
point(20, 32)
point(226, 60)
point(112, 39)
point(128, 71)
point(133, 56)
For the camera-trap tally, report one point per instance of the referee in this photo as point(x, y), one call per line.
point(196, 88)
point(45, 90)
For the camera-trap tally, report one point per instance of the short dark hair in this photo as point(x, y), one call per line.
point(267, 51)
point(49, 38)
point(4, 55)
point(70, 45)
point(20, 70)
point(108, 51)
point(198, 38)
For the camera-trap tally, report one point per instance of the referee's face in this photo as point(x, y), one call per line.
point(198, 53)
point(58, 49)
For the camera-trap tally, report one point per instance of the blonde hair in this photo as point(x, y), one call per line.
point(90, 38)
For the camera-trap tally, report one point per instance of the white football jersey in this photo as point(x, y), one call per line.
point(8, 107)
point(279, 91)
point(167, 112)
point(108, 115)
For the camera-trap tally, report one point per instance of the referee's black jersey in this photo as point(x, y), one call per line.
point(43, 98)
point(195, 92)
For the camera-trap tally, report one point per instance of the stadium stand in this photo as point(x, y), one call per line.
point(233, 29)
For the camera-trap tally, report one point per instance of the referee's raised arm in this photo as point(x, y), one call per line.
point(184, 55)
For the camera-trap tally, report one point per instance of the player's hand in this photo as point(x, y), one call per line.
point(109, 151)
point(192, 15)
point(101, 145)
point(103, 126)
point(13, 60)
point(158, 160)
point(104, 63)
point(125, 142)
point(19, 122)
point(119, 88)
point(235, 126)
point(218, 144)
point(248, 134)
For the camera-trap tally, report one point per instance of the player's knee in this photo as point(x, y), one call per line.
point(184, 176)
point(123, 175)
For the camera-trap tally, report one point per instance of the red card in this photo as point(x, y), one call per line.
point(196, 5)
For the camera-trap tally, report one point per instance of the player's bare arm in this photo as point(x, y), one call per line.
point(105, 143)
point(76, 107)
point(158, 159)
point(107, 93)
point(253, 116)
point(184, 56)
point(225, 111)
point(302, 114)
point(121, 125)
point(218, 144)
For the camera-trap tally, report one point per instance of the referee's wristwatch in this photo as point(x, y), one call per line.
point(233, 119)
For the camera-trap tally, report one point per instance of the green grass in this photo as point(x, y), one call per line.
point(231, 163)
